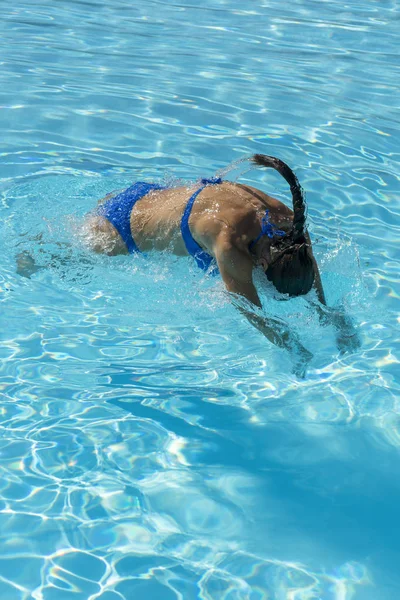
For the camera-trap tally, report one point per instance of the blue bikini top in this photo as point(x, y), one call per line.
point(267, 228)
point(118, 210)
point(202, 258)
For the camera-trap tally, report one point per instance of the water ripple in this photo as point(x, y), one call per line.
point(152, 444)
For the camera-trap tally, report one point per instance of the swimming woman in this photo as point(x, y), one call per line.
point(228, 228)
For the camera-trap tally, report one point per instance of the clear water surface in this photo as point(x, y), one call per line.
point(153, 445)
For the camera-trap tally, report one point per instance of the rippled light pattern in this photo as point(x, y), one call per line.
point(154, 446)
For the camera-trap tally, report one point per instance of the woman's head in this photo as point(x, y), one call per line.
point(291, 268)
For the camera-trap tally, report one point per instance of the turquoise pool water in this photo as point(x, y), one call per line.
point(153, 445)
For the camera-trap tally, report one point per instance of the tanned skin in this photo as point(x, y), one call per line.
point(224, 220)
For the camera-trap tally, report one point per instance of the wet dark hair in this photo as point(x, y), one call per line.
point(291, 269)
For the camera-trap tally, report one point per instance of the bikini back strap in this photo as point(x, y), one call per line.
point(202, 258)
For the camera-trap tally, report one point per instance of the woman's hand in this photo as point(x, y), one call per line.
point(347, 337)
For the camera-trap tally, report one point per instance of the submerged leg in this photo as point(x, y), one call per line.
point(26, 265)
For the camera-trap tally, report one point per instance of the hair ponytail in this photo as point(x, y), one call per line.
point(292, 271)
point(299, 204)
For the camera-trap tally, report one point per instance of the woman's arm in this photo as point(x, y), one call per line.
point(236, 268)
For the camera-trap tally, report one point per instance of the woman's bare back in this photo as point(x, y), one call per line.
point(156, 218)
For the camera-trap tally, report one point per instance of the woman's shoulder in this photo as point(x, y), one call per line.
point(244, 202)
